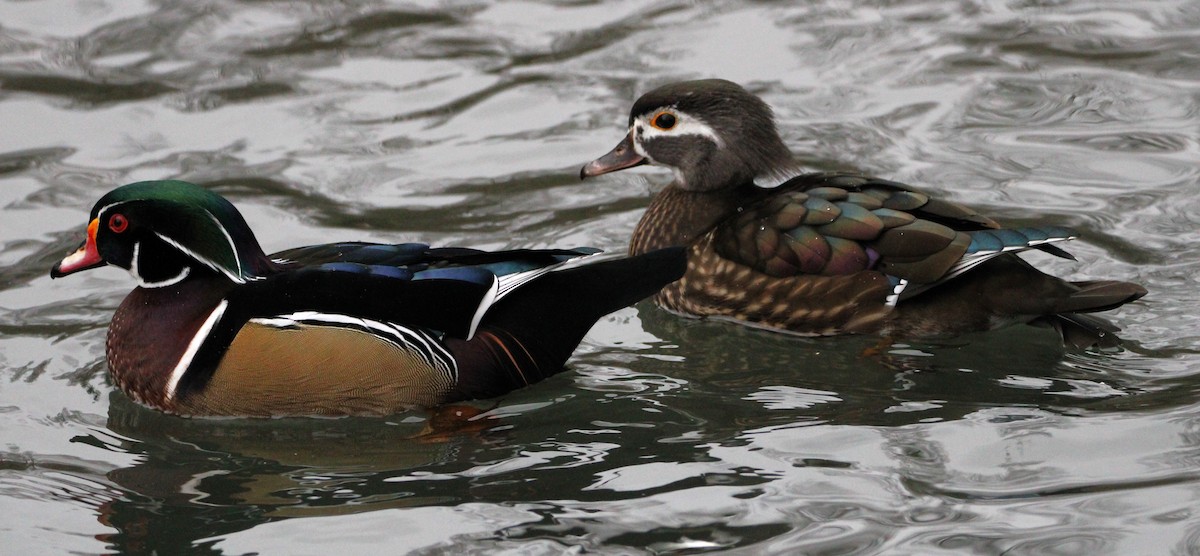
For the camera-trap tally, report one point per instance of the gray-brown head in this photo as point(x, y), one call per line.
point(712, 133)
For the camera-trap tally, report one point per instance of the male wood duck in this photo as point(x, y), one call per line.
point(216, 327)
point(827, 253)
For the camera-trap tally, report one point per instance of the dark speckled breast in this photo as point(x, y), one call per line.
point(679, 217)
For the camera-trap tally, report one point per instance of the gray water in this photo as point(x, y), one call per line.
point(465, 123)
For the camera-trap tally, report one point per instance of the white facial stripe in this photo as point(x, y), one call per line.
point(232, 246)
point(200, 259)
point(100, 213)
point(685, 124)
point(193, 347)
point(133, 267)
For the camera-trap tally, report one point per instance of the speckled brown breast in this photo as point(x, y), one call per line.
point(315, 370)
point(808, 305)
point(715, 286)
point(679, 217)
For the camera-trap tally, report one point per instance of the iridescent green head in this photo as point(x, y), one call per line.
point(164, 231)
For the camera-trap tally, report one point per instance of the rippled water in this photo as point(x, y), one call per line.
point(466, 122)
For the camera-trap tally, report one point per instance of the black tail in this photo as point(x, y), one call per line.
point(1082, 331)
point(1100, 295)
point(528, 335)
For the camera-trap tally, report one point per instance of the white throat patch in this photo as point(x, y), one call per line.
point(137, 274)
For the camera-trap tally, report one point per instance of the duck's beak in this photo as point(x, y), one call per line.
point(87, 256)
point(621, 157)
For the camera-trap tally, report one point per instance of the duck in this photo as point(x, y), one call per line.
point(832, 253)
point(215, 327)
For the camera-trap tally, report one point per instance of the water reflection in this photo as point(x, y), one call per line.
point(913, 428)
point(205, 478)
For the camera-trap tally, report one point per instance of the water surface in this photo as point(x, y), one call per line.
point(466, 123)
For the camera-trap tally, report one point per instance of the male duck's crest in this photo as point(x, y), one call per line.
point(162, 231)
point(830, 253)
point(218, 328)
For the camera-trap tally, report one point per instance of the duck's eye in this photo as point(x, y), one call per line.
point(118, 223)
point(664, 120)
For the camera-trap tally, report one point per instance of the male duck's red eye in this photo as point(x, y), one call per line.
point(663, 120)
point(118, 223)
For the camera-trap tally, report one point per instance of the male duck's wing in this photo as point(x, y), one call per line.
point(445, 289)
point(400, 254)
point(377, 292)
point(835, 225)
point(420, 256)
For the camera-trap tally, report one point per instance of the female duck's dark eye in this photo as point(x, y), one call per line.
point(118, 223)
point(664, 120)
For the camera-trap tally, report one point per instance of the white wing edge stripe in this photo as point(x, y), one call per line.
point(964, 265)
point(194, 346)
point(894, 297)
point(400, 337)
point(975, 259)
point(492, 295)
point(510, 282)
point(428, 352)
point(409, 338)
point(1028, 245)
point(445, 362)
point(971, 261)
point(434, 354)
point(505, 285)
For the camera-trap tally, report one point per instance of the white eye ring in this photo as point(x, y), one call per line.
point(685, 124)
point(663, 120)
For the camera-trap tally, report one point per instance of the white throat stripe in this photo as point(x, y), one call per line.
point(193, 347)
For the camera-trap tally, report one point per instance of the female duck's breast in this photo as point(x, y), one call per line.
point(804, 304)
point(313, 369)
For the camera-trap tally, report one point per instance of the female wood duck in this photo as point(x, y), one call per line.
point(825, 254)
point(215, 327)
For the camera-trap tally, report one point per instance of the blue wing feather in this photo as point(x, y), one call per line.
point(472, 274)
point(417, 261)
point(1011, 239)
point(986, 244)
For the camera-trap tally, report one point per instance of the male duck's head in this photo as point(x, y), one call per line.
point(712, 133)
point(162, 232)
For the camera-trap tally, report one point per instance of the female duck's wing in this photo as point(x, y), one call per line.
point(831, 225)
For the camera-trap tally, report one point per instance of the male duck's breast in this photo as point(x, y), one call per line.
point(310, 369)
